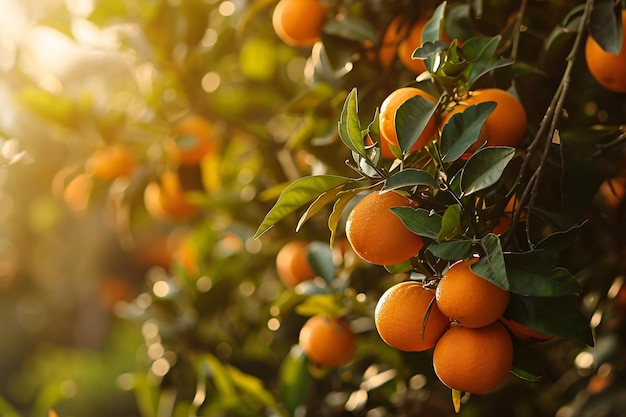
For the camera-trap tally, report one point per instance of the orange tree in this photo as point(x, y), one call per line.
point(185, 313)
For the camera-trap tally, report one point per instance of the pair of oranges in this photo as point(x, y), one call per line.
point(505, 126)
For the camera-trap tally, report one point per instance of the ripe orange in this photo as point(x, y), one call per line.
point(395, 32)
point(379, 236)
point(167, 201)
point(469, 299)
point(474, 360)
point(524, 332)
point(607, 69)
point(409, 44)
point(506, 125)
point(400, 314)
point(299, 22)
point(387, 120)
point(193, 138)
point(292, 263)
point(110, 162)
point(327, 341)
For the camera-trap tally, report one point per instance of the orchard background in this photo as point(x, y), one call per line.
point(139, 279)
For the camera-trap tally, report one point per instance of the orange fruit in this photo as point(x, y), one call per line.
point(299, 22)
point(167, 201)
point(292, 263)
point(607, 69)
point(474, 360)
point(395, 32)
point(469, 299)
point(409, 44)
point(110, 162)
point(77, 192)
point(506, 125)
point(503, 223)
point(379, 236)
point(484, 131)
point(193, 139)
point(400, 314)
point(327, 341)
point(387, 120)
point(523, 332)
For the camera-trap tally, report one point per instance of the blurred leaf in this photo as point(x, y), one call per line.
point(350, 125)
point(350, 28)
point(48, 106)
point(420, 221)
point(324, 304)
point(320, 258)
point(258, 59)
point(411, 118)
point(318, 95)
point(6, 410)
point(529, 274)
point(452, 250)
point(605, 25)
point(554, 316)
point(458, 24)
point(484, 168)
point(296, 194)
point(463, 130)
point(409, 177)
point(491, 264)
point(294, 380)
point(450, 224)
point(582, 179)
point(561, 35)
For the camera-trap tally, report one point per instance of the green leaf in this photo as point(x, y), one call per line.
point(411, 118)
point(351, 28)
point(480, 51)
point(294, 380)
point(420, 221)
point(605, 25)
point(434, 25)
point(335, 216)
point(324, 304)
point(320, 258)
point(296, 194)
point(450, 224)
point(554, 316)
point(491, 265)
point(319, 203)
point(463, 130)
point(550, 247)
point(409, 177)
point(350, 125)
point(452, 250)
point(485, 167)
point(430, 49)
point(529, 274)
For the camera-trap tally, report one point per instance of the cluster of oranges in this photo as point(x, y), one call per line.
point(459, 320)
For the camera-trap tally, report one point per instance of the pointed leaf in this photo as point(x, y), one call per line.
point(450, 224)
point(320, 258)
point(529, 274)
point(434, 25)
point(491, 265)
point(463, 130)
point(480, 51)
point(294, 380)
point(296, 194)
point(335, 216)
point(350, 125)
point(484, 168)
point(319, 203)
point(411, 118)
point(409, 177)
point(554, 316)
point(551, 246)
point(453, 250)
point(605, 25)
point(420, 221)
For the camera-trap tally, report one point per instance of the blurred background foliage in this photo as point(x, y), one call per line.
point(112, 306)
